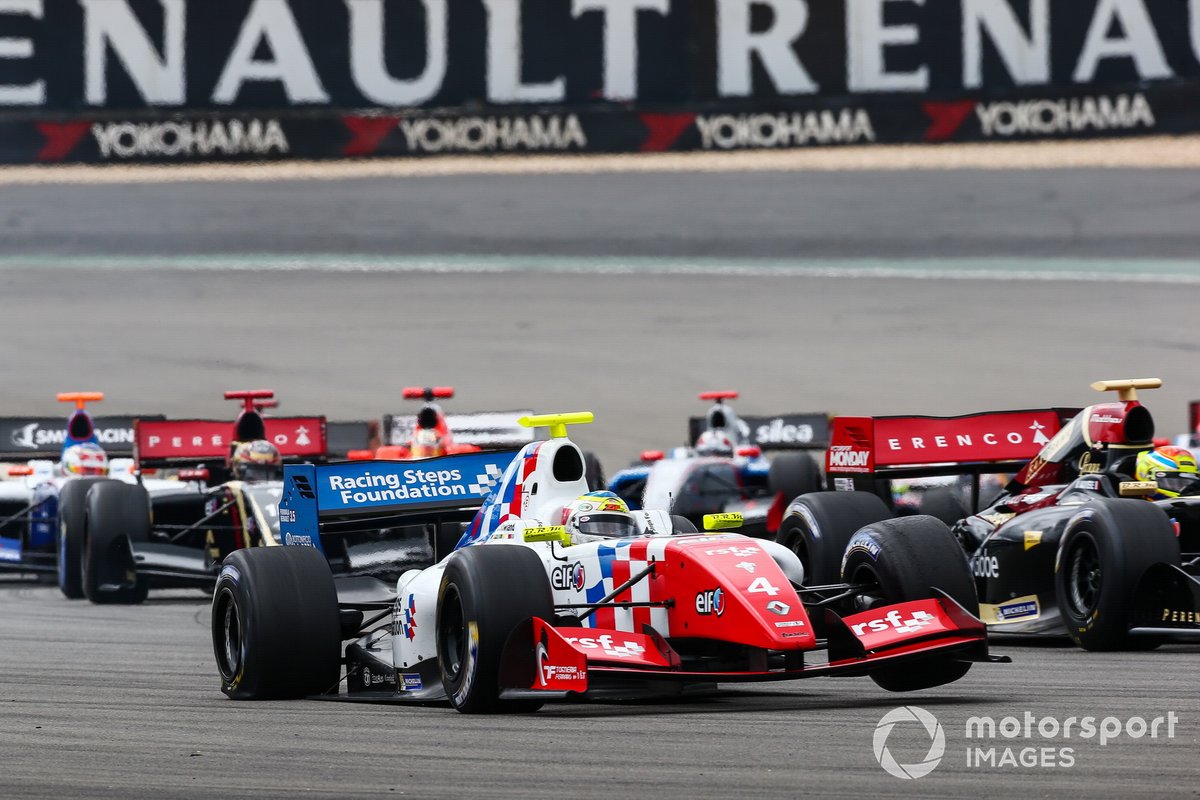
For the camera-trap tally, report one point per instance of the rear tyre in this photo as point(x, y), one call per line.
point(682, 524)
point(117, 515)
point(794, 474)
point(818, 526)
point(943, 503)
point(72, 511)
point(275, 627)
point(907, 558)
point(1107, 546)
point(486, 592)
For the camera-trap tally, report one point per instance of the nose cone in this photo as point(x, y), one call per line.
point(728, 587)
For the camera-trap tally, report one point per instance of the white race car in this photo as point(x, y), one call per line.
point(528, 609)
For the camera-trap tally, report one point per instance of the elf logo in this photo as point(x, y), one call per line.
point(711, 602)
point(567, 577)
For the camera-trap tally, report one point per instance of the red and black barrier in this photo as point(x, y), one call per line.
point(103, 81)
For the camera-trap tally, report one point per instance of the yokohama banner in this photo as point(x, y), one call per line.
point(114, 80)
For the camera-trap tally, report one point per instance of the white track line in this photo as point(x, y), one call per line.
point(1157, 271)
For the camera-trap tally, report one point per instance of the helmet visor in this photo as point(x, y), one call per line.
point(1178, 483)
point(609, 525)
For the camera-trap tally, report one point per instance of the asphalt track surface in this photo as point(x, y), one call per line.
point(913, 214)
point(123, 702)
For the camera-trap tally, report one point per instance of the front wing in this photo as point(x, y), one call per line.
point(543, 658)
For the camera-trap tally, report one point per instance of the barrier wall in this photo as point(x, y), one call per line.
point(126, 80)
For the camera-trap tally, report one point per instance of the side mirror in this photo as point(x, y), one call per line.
point(722, 522)
point(1137, 488)
point(548, 533)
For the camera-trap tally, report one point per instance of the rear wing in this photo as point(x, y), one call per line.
point(23, 438)
point(181, 442)
point(800, 431)
point(373, 495)
point(489, 430)
point(864, 448)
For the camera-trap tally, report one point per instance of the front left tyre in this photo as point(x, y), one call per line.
point(906, 558)
point(275, 628)
point(1105, 550)
point(486, 592)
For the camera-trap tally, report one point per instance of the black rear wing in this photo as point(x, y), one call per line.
point(798, 431)
point(489, 430)
point(24, 438)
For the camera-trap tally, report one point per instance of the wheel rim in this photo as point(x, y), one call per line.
point(866, 601)
point(1083, 577)
point(452, 634)
point(230, 651)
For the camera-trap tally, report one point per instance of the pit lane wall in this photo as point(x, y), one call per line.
point(103, 81)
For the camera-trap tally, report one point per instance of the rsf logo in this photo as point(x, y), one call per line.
point(904, 717)
point(711, 602)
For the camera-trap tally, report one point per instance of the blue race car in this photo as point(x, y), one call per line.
point(725, 468)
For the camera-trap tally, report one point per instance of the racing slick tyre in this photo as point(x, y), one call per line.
point(943, 502)
point(117, 515)
point(486, 592)
point(275, 628)
point(682, 525)
point(818, 526)
point(72, 511)
point(794, 474)
point(907, 558)
point(593, 472)
point(1106, 548)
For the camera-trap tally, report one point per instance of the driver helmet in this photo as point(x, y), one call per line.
point(598, 515)
point(714, 443)
point(1172, 468)
point(86, 458)
point(427, 443)
point(256, 460)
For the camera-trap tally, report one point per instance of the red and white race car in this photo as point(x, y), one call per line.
point(559, 591)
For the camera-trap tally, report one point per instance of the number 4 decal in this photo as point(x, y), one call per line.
point(763, 586)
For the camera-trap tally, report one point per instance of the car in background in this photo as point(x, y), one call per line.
point(172, 533)
point(525, 611)
point(42, 499)
point(724, 468)
point(1072, 545)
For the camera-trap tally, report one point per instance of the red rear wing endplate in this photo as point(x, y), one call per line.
point(168, 442)
point(914, 446)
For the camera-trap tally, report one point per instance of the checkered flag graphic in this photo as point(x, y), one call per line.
point(486, 482)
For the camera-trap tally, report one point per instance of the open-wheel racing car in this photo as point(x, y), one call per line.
point(172, 533)
point(43, 500)
point(432, 432)
point(1083, 540)
point(724, 469)
point(559, 592)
